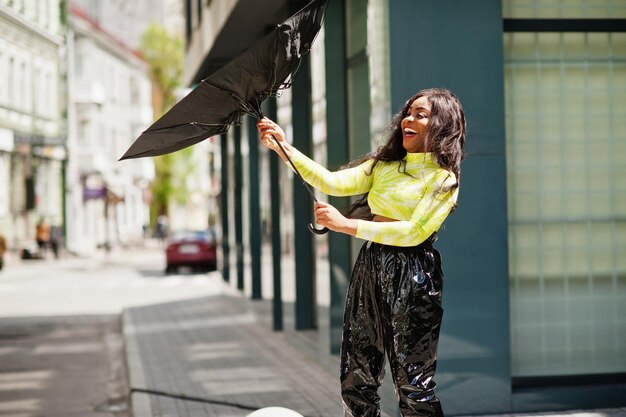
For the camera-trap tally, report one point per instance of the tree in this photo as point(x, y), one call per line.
point(164, 54)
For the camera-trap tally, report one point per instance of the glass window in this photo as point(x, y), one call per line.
point(52, 97)
point(25, 87)
point(358, 78)
point(5, 189)
point(37, 107)
point(378, 60)
point(2, 76)
point(318, 103)
point(9, 81)
point(565, 9)
point(566, 138)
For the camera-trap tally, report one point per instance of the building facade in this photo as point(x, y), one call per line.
point(128, 19)
point(32, 128)
point(535, 289)
point(109, 105)
point(194, 208)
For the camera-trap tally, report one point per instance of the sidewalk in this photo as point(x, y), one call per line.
point(214, 349)
point(215, 355)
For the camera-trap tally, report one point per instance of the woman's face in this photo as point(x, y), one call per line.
point(415, 125)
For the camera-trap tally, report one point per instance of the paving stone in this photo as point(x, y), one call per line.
point(215, 349)
point(58, 366)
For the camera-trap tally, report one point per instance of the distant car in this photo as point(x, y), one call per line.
point(193, 248)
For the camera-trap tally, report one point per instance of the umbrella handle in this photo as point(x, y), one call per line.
point(310, 226)
point(321, 231)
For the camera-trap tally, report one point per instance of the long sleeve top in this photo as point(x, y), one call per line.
point(419, 201)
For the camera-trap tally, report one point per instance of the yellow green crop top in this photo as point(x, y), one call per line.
point(416, 200)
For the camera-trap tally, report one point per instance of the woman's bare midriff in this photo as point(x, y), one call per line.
point(379, 218)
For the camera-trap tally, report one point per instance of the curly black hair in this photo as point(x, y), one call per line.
point(445, 137)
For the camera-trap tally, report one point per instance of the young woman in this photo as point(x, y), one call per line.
point(393, 304)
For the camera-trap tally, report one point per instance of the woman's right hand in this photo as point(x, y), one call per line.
point(270, 130)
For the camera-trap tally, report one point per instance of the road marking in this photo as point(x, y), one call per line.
point(25, 375)
point(30, 404)
point(21, 385)
point(7, 351)
point(53, 349)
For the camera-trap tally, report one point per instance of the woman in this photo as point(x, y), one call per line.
point(393, 303)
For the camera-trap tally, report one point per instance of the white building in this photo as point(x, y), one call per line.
point(32, 138)
point(128, 19)
point(109, 105)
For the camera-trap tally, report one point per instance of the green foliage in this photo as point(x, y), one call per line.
point(162, 187)
point(63, 6)
point(182, 168)
point(164, 54)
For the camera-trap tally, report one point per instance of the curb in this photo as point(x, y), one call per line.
point(139, 403)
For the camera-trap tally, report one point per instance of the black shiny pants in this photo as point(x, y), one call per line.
point(393, 307)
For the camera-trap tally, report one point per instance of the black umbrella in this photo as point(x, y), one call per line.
point(239, 87)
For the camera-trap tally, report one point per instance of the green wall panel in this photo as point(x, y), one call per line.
point(224, 209)
point(254, 207)
point(238, 201)
point(337, 154)
point(302, 204)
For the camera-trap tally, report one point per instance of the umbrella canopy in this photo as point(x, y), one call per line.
point(239, 87)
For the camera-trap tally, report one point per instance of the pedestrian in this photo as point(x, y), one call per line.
point(42, 232)
point(162, 228)
point(56, 237)
point(3, 249)
point(393, 305)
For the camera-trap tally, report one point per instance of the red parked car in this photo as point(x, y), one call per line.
point(192, 248)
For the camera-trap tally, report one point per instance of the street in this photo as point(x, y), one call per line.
point(100, 285)
point(61, 345)
point(66, 366)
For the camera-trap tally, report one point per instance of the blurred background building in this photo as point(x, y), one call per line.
point(32, 126)
point(128, 22)
point(109, 104)
point(128, 19)
point(534, 258)
point(75, 92)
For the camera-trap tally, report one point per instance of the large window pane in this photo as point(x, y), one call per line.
point(566, 112)
point(565, 9)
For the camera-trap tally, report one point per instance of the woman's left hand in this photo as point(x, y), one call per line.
point(271, 133)
point(328, 216)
